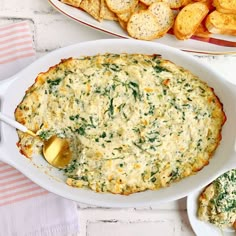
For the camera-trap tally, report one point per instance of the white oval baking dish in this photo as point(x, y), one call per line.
point(37, 169)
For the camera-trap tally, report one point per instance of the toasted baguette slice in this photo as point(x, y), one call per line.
point(174, 4)
point(119, 6)
point(225, 6)
point(202, 31)
point(189, 18)
point(106, 13)
point(143, 25)
point(164, 15)
point(186, 2)
point(149, 2)
point(74, 3)
point(220, 23)
point(209, 4)
point(125, 16)
point(123, 24)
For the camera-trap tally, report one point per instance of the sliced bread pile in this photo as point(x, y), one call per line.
point(217, 16)
point(152, 19)
point(152, 23)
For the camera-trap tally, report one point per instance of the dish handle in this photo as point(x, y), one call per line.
point(3, 86)
point(5, 83)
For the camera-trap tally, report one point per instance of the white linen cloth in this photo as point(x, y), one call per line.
point(25, 208)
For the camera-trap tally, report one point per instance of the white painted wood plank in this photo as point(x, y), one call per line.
point(131, 228)
point(91, 219)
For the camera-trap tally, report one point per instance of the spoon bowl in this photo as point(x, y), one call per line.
point(56, 150)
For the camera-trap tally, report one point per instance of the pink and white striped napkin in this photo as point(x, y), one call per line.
point(26, 208)
point(16, 48)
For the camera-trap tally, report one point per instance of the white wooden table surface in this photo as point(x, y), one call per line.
point(51, 30)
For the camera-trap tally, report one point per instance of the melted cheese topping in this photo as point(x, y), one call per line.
point(217, 203)
point(135, 122)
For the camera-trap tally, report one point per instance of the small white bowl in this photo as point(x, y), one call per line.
point(201, 227)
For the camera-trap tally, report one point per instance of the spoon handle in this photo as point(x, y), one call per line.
point(15, 124)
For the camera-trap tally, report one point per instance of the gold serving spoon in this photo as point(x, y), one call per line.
point(55, 150)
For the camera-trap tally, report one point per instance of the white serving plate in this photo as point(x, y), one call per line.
point(199, 227)
point(51, 179)
point(217, 44)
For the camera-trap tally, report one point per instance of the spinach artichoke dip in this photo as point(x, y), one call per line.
point(134, 122)
point(217, 203)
